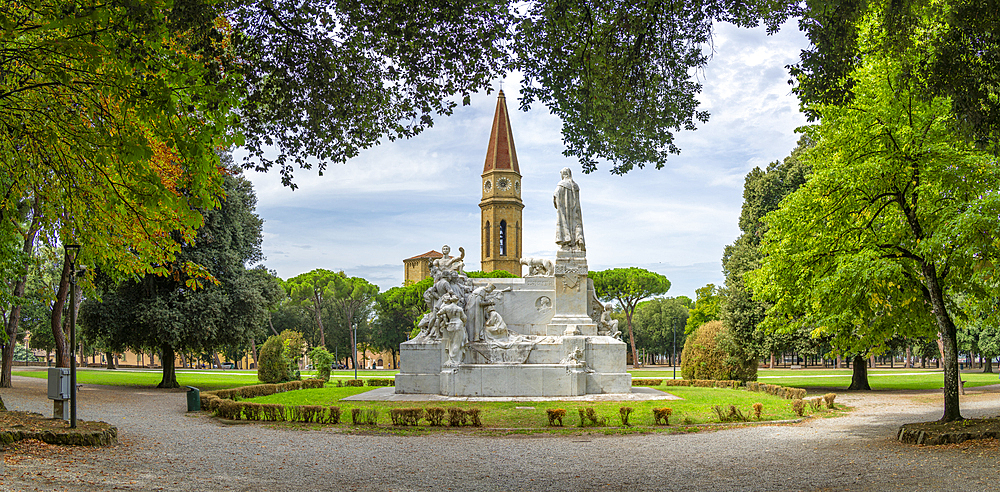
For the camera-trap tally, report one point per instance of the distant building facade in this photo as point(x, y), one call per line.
point(418, 267)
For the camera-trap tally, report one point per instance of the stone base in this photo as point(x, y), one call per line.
point(547, 371)
point(514, 380)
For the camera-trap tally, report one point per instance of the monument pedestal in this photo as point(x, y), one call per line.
point(570, 317)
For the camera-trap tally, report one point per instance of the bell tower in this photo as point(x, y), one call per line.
point(501, 227)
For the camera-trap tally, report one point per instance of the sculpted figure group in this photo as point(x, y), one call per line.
point(457, 311)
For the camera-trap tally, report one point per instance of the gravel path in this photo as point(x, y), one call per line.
point(163, 448)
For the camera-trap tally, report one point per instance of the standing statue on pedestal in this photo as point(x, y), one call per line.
point(569, 224)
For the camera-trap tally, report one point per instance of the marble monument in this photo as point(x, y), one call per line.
point(543, 335)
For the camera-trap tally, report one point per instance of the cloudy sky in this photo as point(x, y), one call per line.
point(405, 198)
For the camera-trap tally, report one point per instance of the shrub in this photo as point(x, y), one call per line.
point(313, 383)
point(646, 382)
point(623, 414)
point(712, 353)
point(229, 410)
point(677, 382)
point(435, 415)
point(588, 416)
point(474, 417)
point(736, 415)
point(780, 391)
point(322, 360)
point(555, 415)
point(406, 416)
point(757, 409)
point(272, 412)
point(354, 383)
point(828, 398)
point(662, 414)
point(381, 382)
point(799, 407)
point(815, 404)
point(273, 365)
point(456, 417)
point(333, 415)
point(364, 416)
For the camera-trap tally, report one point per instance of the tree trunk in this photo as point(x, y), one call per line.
point(62, 345)
point(771, 365)
point(838, 362)
point(111, 360)
point(169, 375)
point(988, 365)
point(631, 339)
point(253, 347)
point(909, 358)
point(18, 292)
point(947, 341)
point(859, 378)
point(319, 318)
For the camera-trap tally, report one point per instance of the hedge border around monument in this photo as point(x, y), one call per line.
point(785, 392)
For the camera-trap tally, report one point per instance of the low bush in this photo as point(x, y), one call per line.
point(757, 409)
point(815, 404)
point(322, 360)
point(732, 414)
point(435, 415)
point(555, 415)
point(588, 416)
point(662, 415)
point(313, 383)
point(354, 383)
point(647, 382)
point(828, 398)
point(458, 417)
point(799, 407)
point(229, 410)
point(381, 382)
point(364, 416)
point(623, 414)
point(406, 416)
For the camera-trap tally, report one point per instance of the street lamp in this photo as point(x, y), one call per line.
point(673, 359)
point(72, 251)
point(355, 327)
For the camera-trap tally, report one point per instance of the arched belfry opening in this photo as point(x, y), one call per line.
point(503, 238)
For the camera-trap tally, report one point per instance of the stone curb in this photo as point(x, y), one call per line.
point(908, 435)
point(105, 437)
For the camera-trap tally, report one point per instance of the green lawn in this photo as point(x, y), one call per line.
point(202, 379)
point(695, 408)
point(822, 379)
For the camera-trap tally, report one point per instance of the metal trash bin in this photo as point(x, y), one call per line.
point(194, 399)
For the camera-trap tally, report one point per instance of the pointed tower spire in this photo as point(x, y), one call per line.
point(501, 204)
point(500, 155)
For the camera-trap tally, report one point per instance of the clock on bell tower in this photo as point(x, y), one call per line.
point(501, 205)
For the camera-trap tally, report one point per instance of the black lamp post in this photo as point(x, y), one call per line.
point(355, 326)
point(673, 360)
point(72, 251)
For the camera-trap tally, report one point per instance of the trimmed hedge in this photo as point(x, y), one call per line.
point(773, 389)
point(702, 383)
point(647, 382)
point(381, 382)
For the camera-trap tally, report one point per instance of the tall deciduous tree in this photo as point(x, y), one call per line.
point(705, 309)
point(898, 212)
point(167, 314)
point(353, 297)
point(763, 191)
point(629, 286)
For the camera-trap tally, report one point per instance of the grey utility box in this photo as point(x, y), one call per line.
point(59, 383)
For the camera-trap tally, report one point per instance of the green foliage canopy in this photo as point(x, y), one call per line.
point(896, 217)
point(628, 286)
